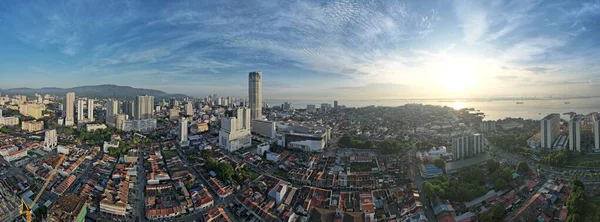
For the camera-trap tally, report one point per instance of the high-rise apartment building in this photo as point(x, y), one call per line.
point(144, 107)
point(120, 119)
point(235, 131)
point(183, 130)
point(189, 108)
point(575, 133)
point(128, 108)
point(550, 129)
point(70, 109)
point(50, 140)
point(112, 109)
point(90, 106)
point(255, 94)
point(335, 104)
point(596, 130)
point(487, 126)
point(80, 114)
point(466, 146)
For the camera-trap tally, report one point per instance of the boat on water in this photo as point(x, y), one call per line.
point(567, 102)
point(519, 103)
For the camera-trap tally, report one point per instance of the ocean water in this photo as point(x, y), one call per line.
point(493, 109)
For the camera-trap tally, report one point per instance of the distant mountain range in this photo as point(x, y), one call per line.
point(97, 91)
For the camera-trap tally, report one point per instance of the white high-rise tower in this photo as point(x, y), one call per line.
point(144, 107)
point(80, 115)
point(90, 106)
point(183, 130)
point(112, 109)
point(50, 140)
point(70, 109)
point(255, 94)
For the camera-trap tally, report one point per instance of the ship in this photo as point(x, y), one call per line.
point(567, 102)
point(519, 103)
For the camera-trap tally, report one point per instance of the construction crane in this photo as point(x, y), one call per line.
point(26, 209)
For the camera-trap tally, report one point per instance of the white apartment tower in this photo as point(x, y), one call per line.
point(575, 133)
point(466, 146)
point(80, 114)
point(189, 108)
point(112, 109)
point(183, 130)
point(144, 107)
point(90, 106)
point(550, 129)
point(235, 131)
point(70, 109)
point(50, 140)
point(596, 130)
point(255, 94)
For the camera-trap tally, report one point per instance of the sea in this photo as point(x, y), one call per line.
point(493, 109)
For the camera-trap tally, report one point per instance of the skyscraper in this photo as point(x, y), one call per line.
point(143, 108)
point(50, 140)
point(112, 109)
point(80, 115)
point(575, 133)
point(128, 108)
point(255, 94)
point(189, 108)
point(70, 109)
point(550, 128)
point(183, 130)
point(90, 110)
point(335, 104)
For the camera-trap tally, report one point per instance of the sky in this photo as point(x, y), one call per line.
point(347, 49)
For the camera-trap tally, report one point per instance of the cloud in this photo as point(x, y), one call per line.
point(507, 77)
point(540, 69)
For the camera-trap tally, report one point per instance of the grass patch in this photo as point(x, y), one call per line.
point(590, 160)
point(281, 173)
point(169, 154)
point(362, 167)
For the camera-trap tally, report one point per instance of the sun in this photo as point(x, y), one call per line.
point(456, 74)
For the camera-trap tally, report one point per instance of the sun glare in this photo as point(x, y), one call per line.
point(456, 75)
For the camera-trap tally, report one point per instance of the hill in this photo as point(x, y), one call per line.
point(97, 91)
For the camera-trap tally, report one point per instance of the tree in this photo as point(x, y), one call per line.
point(429, 189)
point(500, 184)
point(493, 165)
point(522, 167)
point(41, 212)
point(573, 218)
point(440, 163)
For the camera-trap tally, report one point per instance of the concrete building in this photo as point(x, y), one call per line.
point(311, 108)
point(550, 128)
point(325, 107)
point(144, 107)
point(235, 131)
point(9, 121)
point(32, 126)
point(183, 130)
point(50, 140)
point(80, 113)
point(262, 148)
point(70, 109)
point(487, 126)
point(112, 109)
point(91, 127)
point(120, 119)
point(33, 110)
point(69, 207)
point(335, 105)
point(174, 114)
point(467, 146)
point(189, 109)
point(255, 94)
point(575, 133)
point(264, 128)
point(16, 155)
point(90, 106)
point(306, 142)
point(141, 125)
point(596, 130)
point(128, 108)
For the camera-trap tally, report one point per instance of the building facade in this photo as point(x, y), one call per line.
point(596, 130)
point(32, 126)
point(467, 146)
point(264, 128)
point(112, 109)
point(575, 133)
point(550, 128)
point(487, 126)
point(80, 113)
point(50, 140)
point(70, 109)
point(183, 130)
point(255, 94)
point(235, 131)
point(90, 107)
point(144, 107)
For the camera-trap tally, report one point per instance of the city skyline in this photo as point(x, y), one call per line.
point(341, 49)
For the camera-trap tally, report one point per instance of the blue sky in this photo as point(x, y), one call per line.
point(306, 49)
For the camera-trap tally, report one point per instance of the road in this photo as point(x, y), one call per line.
point(429, 209)
point(139, 210)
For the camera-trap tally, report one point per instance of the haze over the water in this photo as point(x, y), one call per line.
point(307, 49)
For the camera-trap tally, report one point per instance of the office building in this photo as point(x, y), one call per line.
point(112, 109)
point(467, 146)
point(264, 128)
point(255, 94)
point(235, 131)
point(596, 130)
point(487, 126)
point(90, 106)
point(325, 107)
point(335, 104)
point(32, 126)
point(143, 108)
point(575, 133)
point(286, 106)
point(183, 130)
point(80, 113)
point(70, 109)
point(311, 108)
point(128, 108)
point(189, 109)
point(50, 140)
point(550, 128)
point(141, 125)
point(172, 102)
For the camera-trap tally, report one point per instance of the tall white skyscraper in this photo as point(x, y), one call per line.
point(255, 94)
point(575, 133)
point(90, 106)
point(596, 130)
point(70, 109)
point(550, 129)
point(144, 107)
point(183, 130)
point(112, 109)
point(50, 140)
point(80, 114)
point(189, 108)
